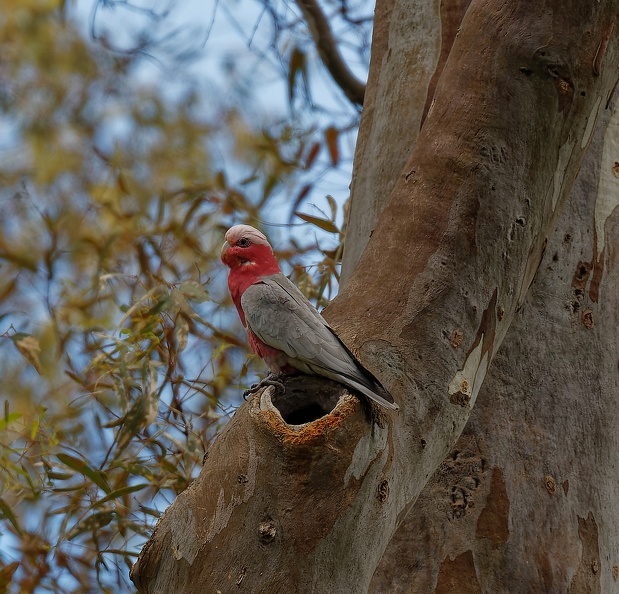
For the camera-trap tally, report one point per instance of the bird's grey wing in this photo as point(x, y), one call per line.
point(280, 315)
point(289, 287)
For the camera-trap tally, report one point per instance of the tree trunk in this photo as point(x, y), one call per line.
point(283, 507)
point(526, 501)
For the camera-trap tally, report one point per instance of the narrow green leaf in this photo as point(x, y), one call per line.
point(7, 512)
point(8, 419)
point(120, 492)
point(323, 224)
point(120, 552)
point(93, 522)
point(95, 476)
point(150, 511)
point(248, 180)
point(59, 476)
point(35, 428)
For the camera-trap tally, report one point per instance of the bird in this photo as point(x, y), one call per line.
point(283, 327)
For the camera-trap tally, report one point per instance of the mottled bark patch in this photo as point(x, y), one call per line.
point(458, 479)
point(587, 577)
point(551, 484)
point(456, 338)
point(566, 486)
point(461, 398)
point(587, 319)
point(493, 522)
point(458, 575)
point(581, 275)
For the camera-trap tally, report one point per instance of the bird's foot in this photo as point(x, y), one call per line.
point(273, 379)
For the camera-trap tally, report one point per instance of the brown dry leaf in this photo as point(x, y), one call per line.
point(29, 347)
point(6, 575)
point(331, 136)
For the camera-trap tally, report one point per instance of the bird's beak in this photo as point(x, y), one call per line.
point(224, 247)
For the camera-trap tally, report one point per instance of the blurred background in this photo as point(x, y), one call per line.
point(132, 135)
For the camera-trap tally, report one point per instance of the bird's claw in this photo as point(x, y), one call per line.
point(270, 380)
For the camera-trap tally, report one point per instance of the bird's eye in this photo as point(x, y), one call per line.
point(243, 242)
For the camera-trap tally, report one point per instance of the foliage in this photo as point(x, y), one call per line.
point(120, 359)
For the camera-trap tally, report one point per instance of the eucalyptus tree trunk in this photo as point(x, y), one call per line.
point(299, 495)
point(526, 501)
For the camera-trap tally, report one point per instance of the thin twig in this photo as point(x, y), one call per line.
point(329, 53)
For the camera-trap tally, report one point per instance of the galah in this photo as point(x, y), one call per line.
point(283, 327)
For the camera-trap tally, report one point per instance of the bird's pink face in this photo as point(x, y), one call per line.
point(246, 247)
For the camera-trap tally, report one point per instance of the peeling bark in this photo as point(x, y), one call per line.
point(458, 575)
point(464, 234)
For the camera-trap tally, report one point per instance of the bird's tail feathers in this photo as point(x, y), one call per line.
point(382, 400)
point(376, 392)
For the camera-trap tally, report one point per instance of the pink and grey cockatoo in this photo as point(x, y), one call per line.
point(283, 327)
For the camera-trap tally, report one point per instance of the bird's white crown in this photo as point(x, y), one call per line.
point(239, 231)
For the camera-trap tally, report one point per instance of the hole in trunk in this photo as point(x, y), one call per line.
point(307, 398)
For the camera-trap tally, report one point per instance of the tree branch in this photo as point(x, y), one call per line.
point(405, 50)
point(329, 53)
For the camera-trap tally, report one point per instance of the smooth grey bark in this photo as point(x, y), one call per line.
point(311, 507)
